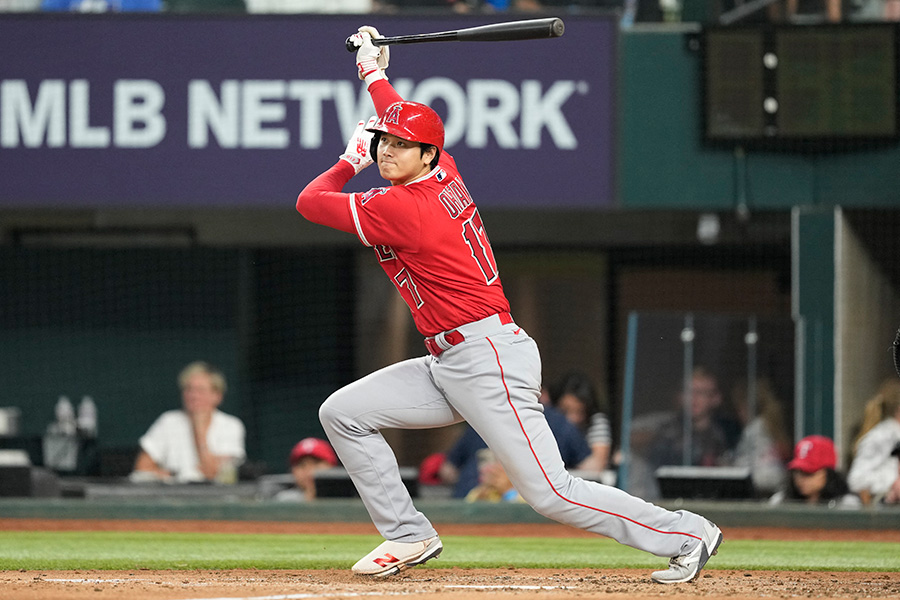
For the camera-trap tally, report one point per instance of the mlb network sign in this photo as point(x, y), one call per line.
point(147, 111)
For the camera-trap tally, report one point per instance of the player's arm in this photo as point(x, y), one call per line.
point(322, 201)
point(371, 62)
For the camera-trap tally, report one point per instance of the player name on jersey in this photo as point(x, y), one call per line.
point(455, 197)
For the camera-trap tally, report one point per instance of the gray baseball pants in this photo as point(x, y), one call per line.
point(492, 381)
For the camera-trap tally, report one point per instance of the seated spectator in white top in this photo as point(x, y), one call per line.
point(198, 442)
point(875, 470)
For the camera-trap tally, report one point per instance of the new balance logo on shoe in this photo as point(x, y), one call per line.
point(386, 560)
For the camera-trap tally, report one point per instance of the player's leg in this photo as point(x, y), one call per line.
point(399, 396)
point(494, 383)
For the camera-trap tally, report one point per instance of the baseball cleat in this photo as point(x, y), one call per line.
point(687, 567)
point(393, 557)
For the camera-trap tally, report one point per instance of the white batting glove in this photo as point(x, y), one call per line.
point(357, 152)
point(371, 60)
point(384, 52)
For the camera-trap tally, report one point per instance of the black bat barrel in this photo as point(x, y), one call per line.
point(531, 29)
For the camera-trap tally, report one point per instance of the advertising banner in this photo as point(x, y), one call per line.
point(131, 111)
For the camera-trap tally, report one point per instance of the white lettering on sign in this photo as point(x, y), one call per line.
point(32, 124)
point(81, 133)
point(277, 114)
point(208, 112)
point(138, 121)
point(262, 107)
point(60, 114)
point(485, 108)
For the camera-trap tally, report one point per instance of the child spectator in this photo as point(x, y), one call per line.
point(813, 477)
point(307, 458)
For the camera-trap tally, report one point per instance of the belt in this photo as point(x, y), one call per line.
point(445, 340)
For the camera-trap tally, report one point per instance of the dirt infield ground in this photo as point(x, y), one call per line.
point(449, 583)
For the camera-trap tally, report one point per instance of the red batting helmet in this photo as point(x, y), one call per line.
point(412, 121)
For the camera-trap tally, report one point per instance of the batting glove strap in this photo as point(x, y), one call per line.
point(372, 76)
point(369, 67)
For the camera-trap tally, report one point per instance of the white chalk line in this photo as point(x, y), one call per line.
point(508, 587)
point(91, 580)
point(309, 595)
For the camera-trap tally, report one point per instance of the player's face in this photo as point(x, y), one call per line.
point(401, 161)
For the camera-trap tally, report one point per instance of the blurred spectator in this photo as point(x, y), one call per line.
point(661, 438)
point(469, 6)
point(197, 442)
point(764, 445)
point(460, 468)
point(795, 10)
point(307, 458)
point(875, 470)
point(576, 398)
point(20, 5)
point(493, 482)
point(708, 439)
point(814, 479)
point(892, 10)
point(430, 469)
point(309, 6)
point(93, 6)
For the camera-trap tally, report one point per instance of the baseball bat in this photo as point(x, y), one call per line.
point(531, 29)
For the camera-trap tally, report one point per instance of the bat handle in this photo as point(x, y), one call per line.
point(351, 47)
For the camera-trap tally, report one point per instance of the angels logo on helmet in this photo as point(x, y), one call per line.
point(392, 115)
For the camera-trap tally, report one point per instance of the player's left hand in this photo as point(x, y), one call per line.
point(369, 57)
point(357, 152)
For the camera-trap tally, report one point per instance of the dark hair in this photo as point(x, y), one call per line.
point(835, 487)
point(423, 148)
point(579, 385)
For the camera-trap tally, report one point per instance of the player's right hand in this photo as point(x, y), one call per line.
point(369, 57)
point(358, 148)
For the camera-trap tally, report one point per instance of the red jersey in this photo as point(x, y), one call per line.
point(427, 235)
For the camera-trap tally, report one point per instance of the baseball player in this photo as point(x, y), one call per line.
point(481, 367)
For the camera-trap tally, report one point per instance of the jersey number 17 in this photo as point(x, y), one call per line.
point(476, 237)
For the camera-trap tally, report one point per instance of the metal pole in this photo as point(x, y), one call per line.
point(751, 340)
point(687, 339)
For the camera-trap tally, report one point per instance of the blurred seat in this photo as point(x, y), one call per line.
point(205, 6)
point(117, 461)
point(707, 483)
